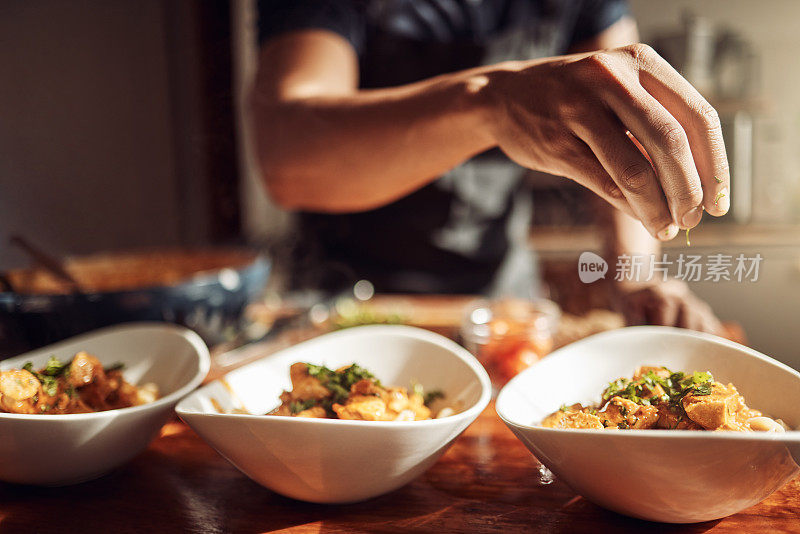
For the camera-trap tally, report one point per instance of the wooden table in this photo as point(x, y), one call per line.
point(485, 483)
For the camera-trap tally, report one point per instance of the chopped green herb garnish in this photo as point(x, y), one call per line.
point(688, 243)
point(48, 376)
point(719, 180)
point(54, 367)
point(431, 396)
point(427, 398)
point(299, 406)
point(50, 385)
point(644, 390)
point(718, 197)
point(339, 382)
point(703, 389)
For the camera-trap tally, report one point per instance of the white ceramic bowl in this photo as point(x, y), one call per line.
point(659, 475)
point(56, 450)
point(336, 461)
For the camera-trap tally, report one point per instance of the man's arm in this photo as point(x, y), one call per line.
point(324, 145)
point(622, 233)
point(670, 303)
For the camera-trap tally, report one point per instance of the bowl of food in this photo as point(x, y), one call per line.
point(659, 423)
point(206, 290)
point(73, 411)
point(344, 417)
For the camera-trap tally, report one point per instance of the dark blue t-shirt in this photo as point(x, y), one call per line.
point(466, 231)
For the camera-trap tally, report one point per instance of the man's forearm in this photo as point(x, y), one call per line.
point(362, 150)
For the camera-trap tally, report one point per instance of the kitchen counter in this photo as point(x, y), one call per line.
point(487, 482)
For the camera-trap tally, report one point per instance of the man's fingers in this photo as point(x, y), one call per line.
point(667, 145)
point(631, 171)
point(698, 118)
point(589, 172)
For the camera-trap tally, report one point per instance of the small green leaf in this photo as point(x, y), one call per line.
point(432, 396)
point(50, 385)
point(299, 406)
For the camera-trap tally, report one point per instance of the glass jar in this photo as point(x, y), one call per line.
point(509, 335)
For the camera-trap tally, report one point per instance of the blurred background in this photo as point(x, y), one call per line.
point(122, 127)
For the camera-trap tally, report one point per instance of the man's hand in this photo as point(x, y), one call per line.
point(667, 303)
point(577, 116)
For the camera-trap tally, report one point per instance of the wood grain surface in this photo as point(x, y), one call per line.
point(487, 482)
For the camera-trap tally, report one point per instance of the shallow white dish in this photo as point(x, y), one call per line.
point(335, 461)
point(56, 450)
point(659, 475)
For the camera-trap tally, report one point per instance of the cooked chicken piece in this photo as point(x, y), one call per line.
point(99, 394)
point(316, 412)
point(18, 389)
point(691, 402)
point(18, 384)
point(656, 390)
point(396, 400)
point(416, 403)
point(674, 419)
point(742, 414)
point(406, 415)
point(364, 407)
point(304, 386)
point(569, 419)
point(624, 413)
point(371, 402)
point(84, 370)
point(714, 411)
point(644, 369)
point(366, 386)
point(283, 409)
point(145, 393)
point(366, 399)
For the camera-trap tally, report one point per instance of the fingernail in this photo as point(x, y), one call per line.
point(668, 233)
point(692, 217)
point(722, 201)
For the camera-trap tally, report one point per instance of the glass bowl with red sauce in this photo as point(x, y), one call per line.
point(508, 335)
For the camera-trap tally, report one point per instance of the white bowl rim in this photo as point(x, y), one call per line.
point(792, 436)
point(192, 337)
point(403, 330)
